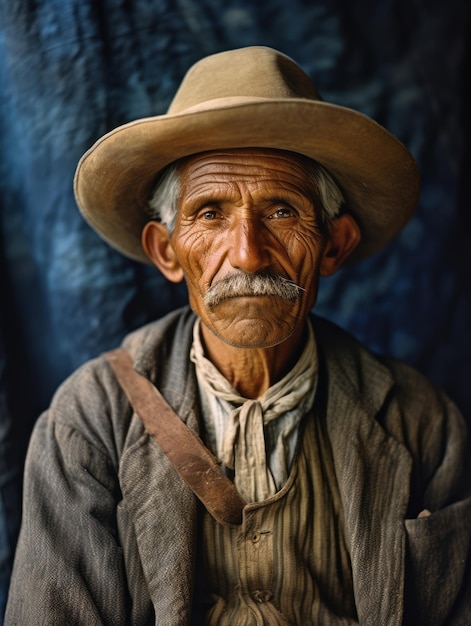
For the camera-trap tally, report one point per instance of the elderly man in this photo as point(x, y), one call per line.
point(327, 485)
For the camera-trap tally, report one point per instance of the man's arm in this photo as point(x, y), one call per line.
point(438, 570)
point(69, 566)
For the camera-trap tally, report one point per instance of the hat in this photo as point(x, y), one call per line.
point(250, 97)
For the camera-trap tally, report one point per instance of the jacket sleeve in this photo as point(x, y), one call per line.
point(69, 565)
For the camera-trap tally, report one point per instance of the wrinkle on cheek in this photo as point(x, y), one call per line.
point(195, 251)
point(195, 242)
point(309, 236)
point(310, 245)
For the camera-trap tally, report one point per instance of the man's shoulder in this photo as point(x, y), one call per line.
point(342, 349)
point(91, 400)
point(374, 389)
point(144, 344)
point(373, 376)
point(151, 336)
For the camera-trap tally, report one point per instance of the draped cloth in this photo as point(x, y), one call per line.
point(242, 444)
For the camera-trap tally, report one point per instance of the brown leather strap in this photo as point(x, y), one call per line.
point(183, 448)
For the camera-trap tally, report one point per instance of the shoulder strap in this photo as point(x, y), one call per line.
point(183, 448)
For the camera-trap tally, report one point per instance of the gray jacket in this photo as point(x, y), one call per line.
point(109, 527)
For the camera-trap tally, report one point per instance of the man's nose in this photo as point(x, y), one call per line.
point(249, 251)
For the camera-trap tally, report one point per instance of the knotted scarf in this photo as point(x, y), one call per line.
point(243, 444)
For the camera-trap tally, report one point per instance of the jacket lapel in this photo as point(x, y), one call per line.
point(163, 511)
point(162, 508)
point(373, 473)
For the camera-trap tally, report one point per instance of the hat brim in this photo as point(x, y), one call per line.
point(374, 169)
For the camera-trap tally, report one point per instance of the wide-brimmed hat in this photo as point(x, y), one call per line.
point(251, 97)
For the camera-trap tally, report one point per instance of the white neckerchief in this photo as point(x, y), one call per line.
point(249, 431)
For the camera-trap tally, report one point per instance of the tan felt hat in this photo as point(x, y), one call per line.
point(251, 97)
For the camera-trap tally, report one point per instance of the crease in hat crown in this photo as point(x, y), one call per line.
point(249, 97)
point(255, 72)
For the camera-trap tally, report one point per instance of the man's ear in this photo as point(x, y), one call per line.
point(343, 237)
point(156, 243)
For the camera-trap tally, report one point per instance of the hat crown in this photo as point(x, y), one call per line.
point(254, 72)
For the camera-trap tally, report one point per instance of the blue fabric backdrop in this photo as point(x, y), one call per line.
point(70, 70)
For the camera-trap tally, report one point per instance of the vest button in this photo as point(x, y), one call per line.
point(262, 595)
point(255, 536)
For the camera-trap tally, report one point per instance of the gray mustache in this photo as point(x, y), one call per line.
point(238, 285)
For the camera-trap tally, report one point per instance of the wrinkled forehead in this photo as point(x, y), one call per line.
point(260, 165)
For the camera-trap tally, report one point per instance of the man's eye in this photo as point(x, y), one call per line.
point(208, 215)
point(282, 212)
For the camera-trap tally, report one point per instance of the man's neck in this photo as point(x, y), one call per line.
point(251, 371)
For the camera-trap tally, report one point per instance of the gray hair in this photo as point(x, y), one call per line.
point(163, 202)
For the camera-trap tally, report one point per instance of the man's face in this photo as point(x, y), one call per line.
point(246, 213)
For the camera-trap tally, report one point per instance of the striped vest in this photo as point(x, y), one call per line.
point(287, 563)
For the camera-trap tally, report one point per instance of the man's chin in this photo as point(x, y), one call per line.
point(252, 332)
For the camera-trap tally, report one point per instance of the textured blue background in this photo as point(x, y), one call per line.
point(70, 70)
